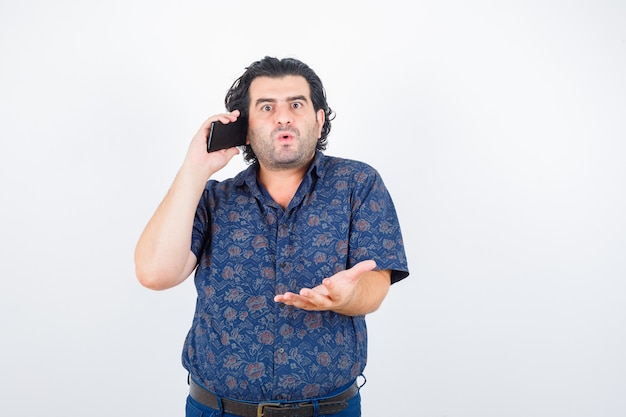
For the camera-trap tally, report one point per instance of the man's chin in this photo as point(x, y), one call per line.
point(285, 162)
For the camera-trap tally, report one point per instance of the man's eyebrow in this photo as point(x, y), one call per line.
point(265, 100)
point(273, 100)
point(297, 98)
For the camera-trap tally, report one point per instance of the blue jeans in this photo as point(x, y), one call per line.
point(195, 409)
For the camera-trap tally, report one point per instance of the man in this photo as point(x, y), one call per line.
point(290, 255)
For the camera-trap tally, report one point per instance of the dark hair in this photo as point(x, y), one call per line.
point(238, 96)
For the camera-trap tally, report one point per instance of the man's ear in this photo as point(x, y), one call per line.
point(321, 118)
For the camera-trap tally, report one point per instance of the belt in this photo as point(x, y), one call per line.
point(330, 405)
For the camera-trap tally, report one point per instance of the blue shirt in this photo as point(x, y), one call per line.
point(244, 345)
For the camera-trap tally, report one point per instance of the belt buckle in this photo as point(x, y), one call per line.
point(261, 406)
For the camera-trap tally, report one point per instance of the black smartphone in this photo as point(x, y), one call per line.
point(222, 136)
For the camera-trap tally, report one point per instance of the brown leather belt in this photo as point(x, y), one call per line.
point(273, 409)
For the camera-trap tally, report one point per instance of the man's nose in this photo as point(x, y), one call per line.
point(283, 115)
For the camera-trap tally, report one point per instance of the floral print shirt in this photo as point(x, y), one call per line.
point(242, 344)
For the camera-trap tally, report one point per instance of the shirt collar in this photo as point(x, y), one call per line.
point(249, 175)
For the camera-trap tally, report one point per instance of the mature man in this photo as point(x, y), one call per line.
point(290, 255)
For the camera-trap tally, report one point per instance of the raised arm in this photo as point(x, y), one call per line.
point(163, 257)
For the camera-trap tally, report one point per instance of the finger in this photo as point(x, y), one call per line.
point(292, 299)
point(301, 301)
point(314, 298)
point(350, 276)
point(229, 117)
point(362, 267)
point(287, 298)
point(223, 156)
point(223, 117)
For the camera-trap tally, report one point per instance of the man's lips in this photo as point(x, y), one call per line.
point(286, 134)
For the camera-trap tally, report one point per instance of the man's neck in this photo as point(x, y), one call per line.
point(281, 184)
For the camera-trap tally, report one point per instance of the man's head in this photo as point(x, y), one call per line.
point(238, 97)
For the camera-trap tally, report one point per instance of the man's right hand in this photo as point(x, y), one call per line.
point(198, 159)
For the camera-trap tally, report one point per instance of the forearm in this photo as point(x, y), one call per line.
point(162, 252)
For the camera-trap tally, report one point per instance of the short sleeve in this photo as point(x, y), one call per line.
point(375, 228)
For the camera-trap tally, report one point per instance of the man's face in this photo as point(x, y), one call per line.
point(283, 125)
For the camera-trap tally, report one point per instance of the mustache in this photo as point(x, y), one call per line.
point(285, 129)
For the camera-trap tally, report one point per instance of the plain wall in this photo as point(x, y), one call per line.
point(498, 127)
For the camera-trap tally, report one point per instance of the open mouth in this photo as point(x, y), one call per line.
point(286, 134)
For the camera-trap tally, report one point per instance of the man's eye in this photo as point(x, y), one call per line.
point(267, 107)
point(296, 105)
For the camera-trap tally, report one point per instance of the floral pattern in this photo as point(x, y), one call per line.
point(242, 344)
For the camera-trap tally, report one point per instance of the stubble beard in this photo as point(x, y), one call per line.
point(275, 156)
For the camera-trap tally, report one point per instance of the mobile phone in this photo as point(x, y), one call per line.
point(222, 136)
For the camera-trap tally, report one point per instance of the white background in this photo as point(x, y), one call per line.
point(499, 128)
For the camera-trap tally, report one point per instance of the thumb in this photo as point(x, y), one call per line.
point(352, 274)
point(361, 268)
